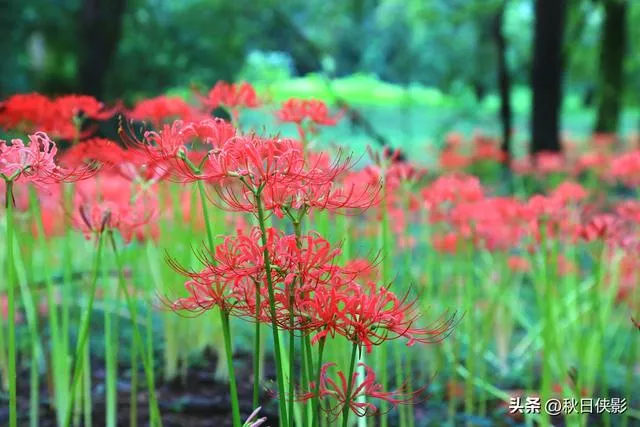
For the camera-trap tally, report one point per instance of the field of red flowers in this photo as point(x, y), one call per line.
point(195, 272)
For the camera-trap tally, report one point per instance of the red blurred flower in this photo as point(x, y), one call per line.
point(307, 115)
point(163, 109)
point(600, 227)
point(452, 160)
point(569, 192)
point(626, 168)
point(25, 113)
point(547, 162)
point(233, 97)
point(453, 189)
point(66, 111)
point(109, 202)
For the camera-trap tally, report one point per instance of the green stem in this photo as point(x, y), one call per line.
point(137, 337)
point(111, 371)
point(11, 310)
point(272, 309)
point(235, 407)
point(58, 347)
point(224, 317)
point(84, 329)
point(256, 353)
point(352, 364)
point(316, 397)
point(133, 401)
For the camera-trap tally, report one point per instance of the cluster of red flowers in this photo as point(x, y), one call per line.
point(300, 282)
point(595, 157)
point(58, 117)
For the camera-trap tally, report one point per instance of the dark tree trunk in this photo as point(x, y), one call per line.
point(504, 82)
point(546, 79)
point(100, 29)
point(613, 44)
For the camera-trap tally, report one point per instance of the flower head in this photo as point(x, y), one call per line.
point(342, 393)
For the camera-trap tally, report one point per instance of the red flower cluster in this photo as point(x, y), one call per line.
point(307, 115)
point(163, 109)
point(36, 162)
point(353, 394)
point(327, 299)
point(232, 96)
point(58, 117)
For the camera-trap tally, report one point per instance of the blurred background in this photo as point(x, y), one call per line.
point(415, 69)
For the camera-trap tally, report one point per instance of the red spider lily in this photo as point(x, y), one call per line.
point(184, 148)
point(487, 149)
point(111, 204)
point(629, 210)
point(299, 110)
point(35, 162)
point(453, 189)
point(371, 315)
point(452, 160)
point(207, 292)
point(67, 110)
point(25, 112)
point(302, 194)
point(285, 177)
point(307, 115)
point(91, 150)
point(600, 227)
point(233, 97)
point(569, 193)
point(626, 168)
point(355, 396)
point(163, 109)
point(237, 267)
point(496, 222)
point(593, 161)
point(547, 162)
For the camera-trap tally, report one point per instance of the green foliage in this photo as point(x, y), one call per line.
point(435, 53)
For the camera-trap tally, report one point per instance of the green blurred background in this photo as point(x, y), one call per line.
point(415, 68)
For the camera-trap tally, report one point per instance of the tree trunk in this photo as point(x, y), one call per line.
point(99, 32)
point(546, 79)
point(504, 82)
point(613, 45)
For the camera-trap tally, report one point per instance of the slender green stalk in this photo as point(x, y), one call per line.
point(352, 365)
point(226, 330)
point(88, 398)
point(137, 338)
point(386, 270)
point(272, 308)
point(84, 329)
point(67, 275)
point(11, 309)
point(256, 353)
point(133, 398)
point(111, 372)
point(59, 350)
point(224, 317)
point(316, 396)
